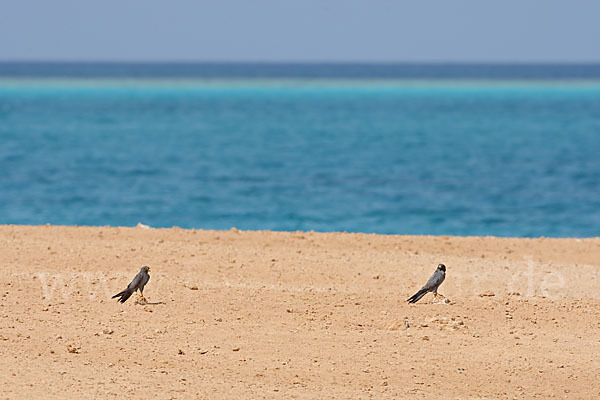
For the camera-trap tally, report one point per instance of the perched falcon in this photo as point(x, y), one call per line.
point(432, 284)
point(137, 283)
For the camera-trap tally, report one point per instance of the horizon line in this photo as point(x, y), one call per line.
point(306, 62)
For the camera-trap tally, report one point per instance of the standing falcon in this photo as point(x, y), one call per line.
point(137, 283)
point(432, 284)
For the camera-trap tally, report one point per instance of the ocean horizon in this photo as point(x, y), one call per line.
point(441, 149)
point(271, 70)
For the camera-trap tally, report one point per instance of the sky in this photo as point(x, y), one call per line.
point(301, 30)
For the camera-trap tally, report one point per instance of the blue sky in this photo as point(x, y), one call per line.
point(303, 30)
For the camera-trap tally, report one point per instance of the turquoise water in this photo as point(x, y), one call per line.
point(508, 157)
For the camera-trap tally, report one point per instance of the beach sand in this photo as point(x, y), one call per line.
point(295, 315)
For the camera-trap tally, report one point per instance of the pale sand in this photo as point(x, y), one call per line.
point(295, 315)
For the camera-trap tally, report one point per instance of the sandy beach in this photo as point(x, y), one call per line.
point(234, 314)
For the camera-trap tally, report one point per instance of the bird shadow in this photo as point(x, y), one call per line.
point(148, 303)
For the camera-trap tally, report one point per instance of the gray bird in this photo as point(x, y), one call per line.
point(432, 285)
point(137, 283)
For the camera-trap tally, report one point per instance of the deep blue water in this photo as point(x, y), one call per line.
point(462, 150)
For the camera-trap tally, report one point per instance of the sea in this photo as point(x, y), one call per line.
point(433, 149)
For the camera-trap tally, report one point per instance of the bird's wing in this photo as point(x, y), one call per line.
point(436, 279)
point(144, 280)
point(135, 283)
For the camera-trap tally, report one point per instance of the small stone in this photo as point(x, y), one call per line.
point(108, 331)
point(236, 349)
point(73, 349)
point(180, 352)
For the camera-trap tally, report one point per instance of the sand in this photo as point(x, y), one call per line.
point(295, 315)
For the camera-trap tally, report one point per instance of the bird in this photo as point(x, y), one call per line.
point(136, 284)
point(432, 285)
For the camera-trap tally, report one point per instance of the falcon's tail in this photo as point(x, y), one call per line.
point(124, 295)
point(417, 296)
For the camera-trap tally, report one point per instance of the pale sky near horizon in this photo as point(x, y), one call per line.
point(302, 30)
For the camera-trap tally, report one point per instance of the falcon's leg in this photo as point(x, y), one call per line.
point(141, 299)
point(437, 295)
